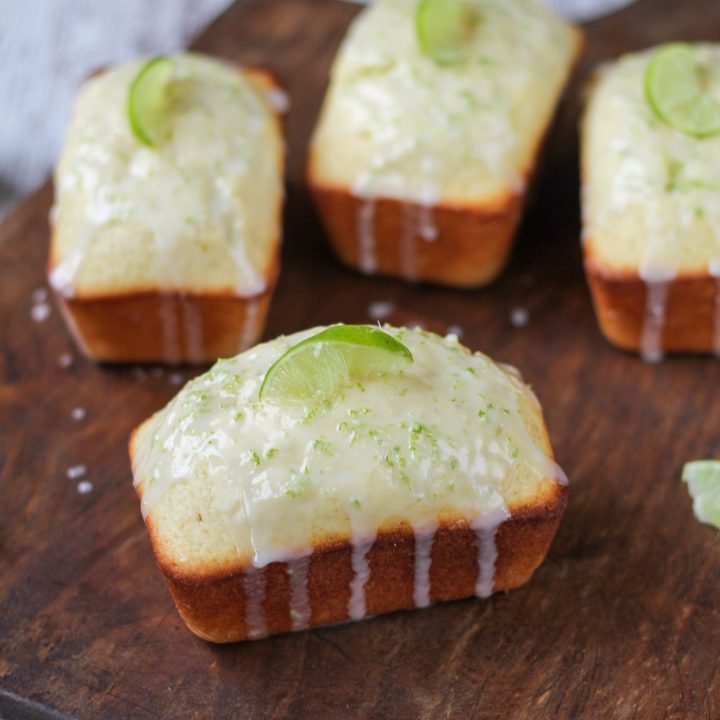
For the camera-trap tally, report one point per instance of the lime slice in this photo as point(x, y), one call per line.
point(703, 479)
point(444, 29)
point(149, 101)
point(317, 367)
point(675, 92)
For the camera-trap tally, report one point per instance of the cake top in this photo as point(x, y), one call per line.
point(398, 123)
point(198, 211)
point(651, 196)
point(449, 436)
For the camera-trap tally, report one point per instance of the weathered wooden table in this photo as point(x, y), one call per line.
point(623, 619)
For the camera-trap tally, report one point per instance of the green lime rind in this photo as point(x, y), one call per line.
point(703, 480)
point(443, 29)
point(149, 100)
point(674, 91)
point(316, 368)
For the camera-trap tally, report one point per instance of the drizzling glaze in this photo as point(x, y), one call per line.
point(361, 574)
point(424, 539)
point(444, 438)
point(366, 236)
point(657, 286)
point(254, 586)
point(715, 273)
point(300, 611)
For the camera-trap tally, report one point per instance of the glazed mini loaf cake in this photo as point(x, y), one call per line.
point(169, 252)
point(432, 482)
point(419, 166)
point(651, 206)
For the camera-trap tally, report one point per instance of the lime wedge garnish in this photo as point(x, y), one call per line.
point(444, 29)
point(316, 368)
point(703, 479)
point(148, 105)
point(674, 89)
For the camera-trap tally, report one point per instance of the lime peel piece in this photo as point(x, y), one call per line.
point(316, 368)
point(443, 29)
point(149, 101)
point(703, 481)
point(675, 93)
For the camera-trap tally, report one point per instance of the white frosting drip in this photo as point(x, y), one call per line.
point(423, 559)
point(361, 574)
point(254, 586)
point(657, 284)
point(300, 612)
point(366, 236)
point(485, 532)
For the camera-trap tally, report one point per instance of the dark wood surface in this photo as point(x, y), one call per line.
point(622, 620)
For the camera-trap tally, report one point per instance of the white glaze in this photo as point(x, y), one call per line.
point(394, 115)
point(197, 211)
point(254, 586)
point(366, 236)
point(657, 286)
point(486, 528)
point(424, 538)
point(714, 270)
point(300, 612)
point(361, 574)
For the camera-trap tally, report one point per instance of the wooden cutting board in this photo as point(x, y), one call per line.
point(622, 620)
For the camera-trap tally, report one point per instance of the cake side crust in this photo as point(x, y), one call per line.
point(463, 246)
point(690, 312)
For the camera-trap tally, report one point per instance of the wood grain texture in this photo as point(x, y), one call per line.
point(621, 621)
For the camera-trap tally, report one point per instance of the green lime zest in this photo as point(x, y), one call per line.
point(148, 103)
point(316, 368)
point(444, 29)
point(703, 480)
point(676, 92)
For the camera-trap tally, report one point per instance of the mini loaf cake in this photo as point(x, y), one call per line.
point(419, 163)
point(167, 249)
point(651, 200)
point(432, 482)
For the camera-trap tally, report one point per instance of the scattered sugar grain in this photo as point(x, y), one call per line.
point(380, 310)
point(78, 414)
point(157, 372)
point(455, 330)
point(139, 374)
point(84, 487)
point(76, 471)
point(175, 378)
point(65, 360)
point(39, 295)
point(519, 317)
point(279, 100)
point(40, 312)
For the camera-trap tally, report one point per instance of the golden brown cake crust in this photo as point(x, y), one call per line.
point(620, 300)
point(471, 247)
point(214, 609)
point(162, 327)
